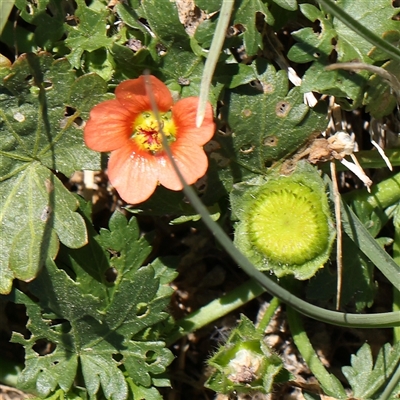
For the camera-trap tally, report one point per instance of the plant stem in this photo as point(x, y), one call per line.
point(393, 382)
point(368, 159)
point(396, 293)
point(5, 10)
point(382, 195)
point(216, 309)
point(329, 383)
point(269, 313)
point(212, 59)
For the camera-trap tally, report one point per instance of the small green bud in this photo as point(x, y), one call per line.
point(244, 364)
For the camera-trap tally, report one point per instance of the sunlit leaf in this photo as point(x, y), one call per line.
point(367, 377)
point(97, 334)
point(41, 132)
point(267, 122)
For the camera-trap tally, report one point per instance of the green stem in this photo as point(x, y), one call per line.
point(329, 383)
point(269, 313)
point(5, 10)
point(394, 381)
point(383, 194)
point(368, 159)
point(216, 309)
point(212, 59)
point(360, 29)
point(396, 307)
point(396, 293)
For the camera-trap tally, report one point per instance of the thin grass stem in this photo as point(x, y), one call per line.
point(212, 59)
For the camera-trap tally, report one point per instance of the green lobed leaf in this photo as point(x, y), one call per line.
point(178, 64)
point(290, 5)
point(129, 64)
point(93, 332)
point(89, 34)
point(140, 392)
point(377, 16)
point(266, 124)
point(123, 238)
point(48, 17)
point(209, 6)
point(245, 14)
point(333, 35)
point(341, 84)
point(204, 34)
point(129, 16)
point(349, 46)
point(35, 119)
point(37, 136)
point(30, 219)
point(367, 378)
point(310, 44)
point(91, 274)
point(162, 16)
point(87, 91)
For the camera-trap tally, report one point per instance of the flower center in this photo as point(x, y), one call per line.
point(147, 134)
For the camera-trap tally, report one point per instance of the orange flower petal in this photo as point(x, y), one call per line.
point(184, 115)
point(134, 175)
point(191, 161)
point(109, 126)
point(133, 95)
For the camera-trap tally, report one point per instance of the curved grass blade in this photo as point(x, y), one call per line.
point(391, 79)
point(390, 387)
point(5, 10)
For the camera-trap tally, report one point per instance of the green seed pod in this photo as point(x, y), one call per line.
point(245, 364)
point(285, 223)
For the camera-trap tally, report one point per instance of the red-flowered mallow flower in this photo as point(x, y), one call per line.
point(128, 128)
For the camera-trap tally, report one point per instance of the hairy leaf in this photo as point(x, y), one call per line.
point(245, 15)
point(89, 34)
point(267, 123)
point(334, 41)
point(98, 333)
point(40, 132)
point(49, 25)
point(367, 378)
point(245, 363)
point(164, 22)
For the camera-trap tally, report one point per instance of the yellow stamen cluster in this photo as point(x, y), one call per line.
point(147, 133)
